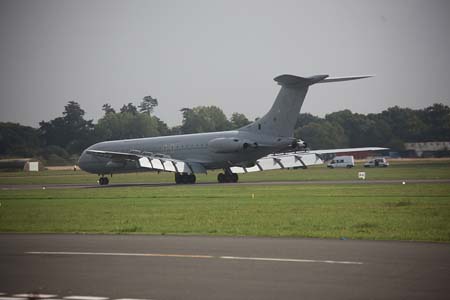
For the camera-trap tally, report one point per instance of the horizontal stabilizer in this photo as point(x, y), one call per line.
point(299, 82)
point(336, 79)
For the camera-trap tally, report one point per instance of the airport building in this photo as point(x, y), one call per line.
point(428, 149)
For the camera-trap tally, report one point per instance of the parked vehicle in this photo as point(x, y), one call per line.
point(377, 162)
point(342, 162)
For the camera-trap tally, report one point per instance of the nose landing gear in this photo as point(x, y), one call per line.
point(103, 180)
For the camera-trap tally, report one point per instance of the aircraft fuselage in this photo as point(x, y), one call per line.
point(189, 147)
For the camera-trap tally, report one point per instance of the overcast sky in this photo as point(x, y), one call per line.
point(223, 53)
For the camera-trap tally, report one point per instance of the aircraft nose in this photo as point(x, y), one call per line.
point(82, 161)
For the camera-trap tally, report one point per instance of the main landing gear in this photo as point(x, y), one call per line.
point(227, 177)
point(183, 178)
point(103, 180)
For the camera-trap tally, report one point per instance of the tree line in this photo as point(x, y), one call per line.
point(62, 139)
point(391, 128)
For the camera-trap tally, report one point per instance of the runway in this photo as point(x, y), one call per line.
point(159, 184)
point(100, 267)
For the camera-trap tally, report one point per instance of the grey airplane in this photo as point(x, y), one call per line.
point(268, 143)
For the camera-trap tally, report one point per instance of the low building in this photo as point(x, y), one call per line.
point(25, 164)
point(429, 149)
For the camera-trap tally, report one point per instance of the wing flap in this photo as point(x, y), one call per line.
point(144, 162)
point(281, 161)
point(157, 164)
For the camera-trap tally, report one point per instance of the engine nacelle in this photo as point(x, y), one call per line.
point(298, 145)
point(229, 145)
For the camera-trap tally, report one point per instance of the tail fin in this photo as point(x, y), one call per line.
point(281, 118)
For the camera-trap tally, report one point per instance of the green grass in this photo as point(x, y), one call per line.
point(418, 212)
point(418, 169)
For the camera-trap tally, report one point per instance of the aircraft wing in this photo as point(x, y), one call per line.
point(282, 161)
point(153, 162)
point(296, 159)
point(346, 150)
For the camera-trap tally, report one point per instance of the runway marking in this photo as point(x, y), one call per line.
point(28, 296)
point(34, 296)
point(194, 256)
point(293, 260)
point(122, 254)
point(131, 299)
point(85, 298)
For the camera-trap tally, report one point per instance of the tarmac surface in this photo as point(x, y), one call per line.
point(156, 184)
point(85, 267)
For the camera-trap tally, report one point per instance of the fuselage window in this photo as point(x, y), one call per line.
point(259, 126)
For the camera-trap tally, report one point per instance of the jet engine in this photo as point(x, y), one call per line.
point(298, 145)
point(229, 145)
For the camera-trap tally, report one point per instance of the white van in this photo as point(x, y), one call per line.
point(342, 162)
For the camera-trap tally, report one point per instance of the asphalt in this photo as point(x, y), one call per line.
point(157, 184)
point(177, 267)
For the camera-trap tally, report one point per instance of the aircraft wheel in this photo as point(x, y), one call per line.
point(234, 177)
point(177, 178)
point(184, 178)
point(221, 178)
point(103, 180)
point(192, 178)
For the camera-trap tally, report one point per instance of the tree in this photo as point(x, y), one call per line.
point(126, 125)
point(129, 108)
point(405, 123)
point(238, 120)
point(305, 118)
point(107, 108)
point(358, 128)
point(148, 104)
point(323, 135)
point(71, 131)
point(204, 119)
point(162, 127)
point(18, 140)
point(437, 118)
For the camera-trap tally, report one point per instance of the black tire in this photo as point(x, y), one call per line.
point(185, 178)
point(192, 178)
point(177, 178)
point(234, 177)
point(221, 178)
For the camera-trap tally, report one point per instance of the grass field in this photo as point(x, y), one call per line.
point(404, 212)
point(417, 169)
point(418, 212)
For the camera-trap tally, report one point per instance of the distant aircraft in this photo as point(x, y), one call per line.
point(265, 144)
